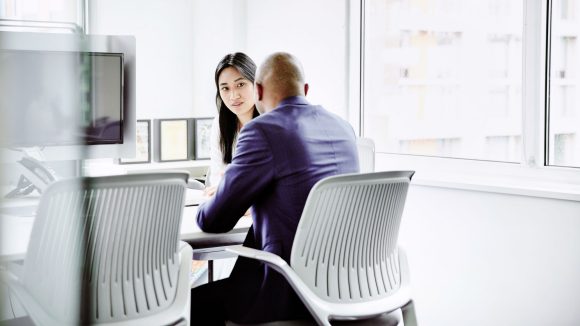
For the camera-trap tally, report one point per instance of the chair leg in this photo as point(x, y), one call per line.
point(210, 271)
point(409, 316)
point(323, 322)
point(321, 319)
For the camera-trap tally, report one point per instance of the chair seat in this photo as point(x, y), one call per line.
point(394, 318)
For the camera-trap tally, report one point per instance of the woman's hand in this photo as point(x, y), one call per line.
point(210, 191)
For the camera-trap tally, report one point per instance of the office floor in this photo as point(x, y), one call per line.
point(393, 319)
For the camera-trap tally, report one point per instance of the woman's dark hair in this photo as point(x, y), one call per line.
point(227, 119)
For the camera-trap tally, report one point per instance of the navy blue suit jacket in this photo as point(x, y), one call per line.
point(279, 157)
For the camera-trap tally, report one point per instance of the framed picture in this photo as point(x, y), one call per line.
point(143, 144)
point(202, 135)
point(172, 140)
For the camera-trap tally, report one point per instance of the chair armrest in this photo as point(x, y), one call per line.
point(260, 255)
point(185, 256)
point(309, 298)
point(10, 278)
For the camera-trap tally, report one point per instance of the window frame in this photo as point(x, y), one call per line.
point(551, 43)
point(531, 176)
point(77, 27)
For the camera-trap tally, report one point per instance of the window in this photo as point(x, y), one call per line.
point(42, 15)
point(563, 113)
point(444, 78)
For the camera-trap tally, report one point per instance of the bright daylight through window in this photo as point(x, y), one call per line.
point(444, 78)
point(37, 11)
point(564, 110)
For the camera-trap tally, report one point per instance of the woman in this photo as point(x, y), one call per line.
point(234, 79)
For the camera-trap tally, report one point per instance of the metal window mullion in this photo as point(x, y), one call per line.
point(362, 68)
point(354, 64)
point(534, 82)
point(83, 15)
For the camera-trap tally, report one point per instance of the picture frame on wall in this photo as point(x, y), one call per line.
point(172, 140)
point(143, 144)
point(202, 137)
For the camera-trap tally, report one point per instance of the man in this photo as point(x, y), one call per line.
point(279, 157)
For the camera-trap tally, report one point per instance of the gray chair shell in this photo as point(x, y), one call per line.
point(106, 250)
point(345, 262)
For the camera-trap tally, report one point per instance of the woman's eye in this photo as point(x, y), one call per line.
point(223, 89)
point(241, 84)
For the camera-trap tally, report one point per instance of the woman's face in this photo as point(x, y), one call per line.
point(236, 91)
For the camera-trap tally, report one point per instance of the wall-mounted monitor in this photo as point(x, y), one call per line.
point(72, 95)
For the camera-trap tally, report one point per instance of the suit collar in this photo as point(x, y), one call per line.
point(294, 100)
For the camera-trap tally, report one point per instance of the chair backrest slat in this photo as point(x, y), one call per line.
point(345, 245)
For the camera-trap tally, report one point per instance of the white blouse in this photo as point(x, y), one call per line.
point(217, 166)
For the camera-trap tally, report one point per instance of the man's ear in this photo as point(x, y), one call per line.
point(306, 87)
point(259, 92)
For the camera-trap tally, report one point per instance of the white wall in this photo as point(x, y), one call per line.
point(316, 32)
point(179, 44)
point(480, 258)
point(218, 29)
point(164, 32)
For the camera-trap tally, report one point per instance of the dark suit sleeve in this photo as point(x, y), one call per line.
point(245, 179)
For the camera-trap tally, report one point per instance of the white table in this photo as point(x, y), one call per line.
point(15, 233)
point(211, 246)
point(210, 242)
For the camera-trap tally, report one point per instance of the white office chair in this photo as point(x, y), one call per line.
point(106, 251)
point(366, 154)
point(345, 263)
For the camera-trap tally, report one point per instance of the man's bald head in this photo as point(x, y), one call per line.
point(278, 77)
